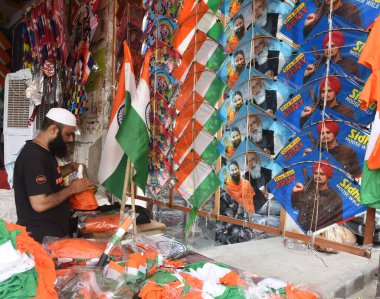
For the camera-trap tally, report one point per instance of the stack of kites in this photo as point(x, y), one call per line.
point(323, 161)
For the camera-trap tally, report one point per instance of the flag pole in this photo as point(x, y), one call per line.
point(126, 188)
point(133, 203)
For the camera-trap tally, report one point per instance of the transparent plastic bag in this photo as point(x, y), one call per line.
point(90, 283)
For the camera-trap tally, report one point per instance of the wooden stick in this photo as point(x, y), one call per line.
point(133, 203)
point(126, 189)
point(326, 243)
point(282, 221)
point(369, 226)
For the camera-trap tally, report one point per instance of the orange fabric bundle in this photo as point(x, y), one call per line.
point(102, 223)
point(293, 292)
point(43, 263)
point(84, 201)
point(232, 279)
point(79, 249)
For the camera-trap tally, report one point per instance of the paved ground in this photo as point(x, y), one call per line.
point(339, 275)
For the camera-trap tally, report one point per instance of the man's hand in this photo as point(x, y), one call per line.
point(307, 151)
point(298, 188)
point(80, 185)
point(309, 70)
point(310, 19)
point(308, 110)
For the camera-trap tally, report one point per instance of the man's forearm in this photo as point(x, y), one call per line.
point(44, 202)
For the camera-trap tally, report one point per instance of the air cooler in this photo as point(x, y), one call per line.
point(17, 110)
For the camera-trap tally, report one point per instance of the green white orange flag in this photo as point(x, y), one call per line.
point(201, 111)
point(195, 16)
point(203, 50)
point(133, 134)
point(204, 82)
point(196, 182)
point(113, 160)
point(194, 138)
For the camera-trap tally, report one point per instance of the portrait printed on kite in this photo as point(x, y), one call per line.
point(266, 53)
point(263, 93)
point(311, 17)
point(261, 129)
point(346, 45)
point(258, 168)
point(229, 142)
point(237, 186)
point(266, 14)
point(339, 93)
point(343, 144)
point(316, 194)
point(231, 106)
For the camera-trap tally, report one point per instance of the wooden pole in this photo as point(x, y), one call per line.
point(133, 202)
point(369, 226)
point(126, 189)
point(326, 243)
point(282, 221)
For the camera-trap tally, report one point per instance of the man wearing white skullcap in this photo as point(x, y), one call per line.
point(41, 198)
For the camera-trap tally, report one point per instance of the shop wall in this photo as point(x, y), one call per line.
point(99, 94)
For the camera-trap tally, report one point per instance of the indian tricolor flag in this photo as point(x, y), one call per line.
point(201, 111)
point(113, 160)
point(195, 16)
point(203, 50)
point(204, 82)
point(133, 135)
point(196, 182)
point(194, 138)
point(369, 189)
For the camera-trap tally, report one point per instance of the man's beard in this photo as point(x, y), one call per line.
point(260, 96)
point(236, 143)
point(235, 178)
point(239, 32)
point(240, 68)
point(257, 135)
point(255, 172)
point(57, 146)
point(262, 19)
point(262, 57)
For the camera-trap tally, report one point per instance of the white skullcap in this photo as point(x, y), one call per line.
point(63, 116)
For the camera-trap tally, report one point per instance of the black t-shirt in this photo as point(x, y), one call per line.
point(37, 172)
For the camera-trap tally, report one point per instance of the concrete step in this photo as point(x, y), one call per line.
point(337, 276)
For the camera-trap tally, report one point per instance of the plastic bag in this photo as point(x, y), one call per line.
point(77, 248)
point(168, 247)
point(99, 223)
point(84, 200)
point(90, 283)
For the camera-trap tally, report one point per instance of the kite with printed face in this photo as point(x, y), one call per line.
point(338, 92)
point(266, 14)
point(346, 45)
point(316, 194)
point(260, 128)
point(267, 54)
point(343, 144)
point(260, 91)
point(310, 17)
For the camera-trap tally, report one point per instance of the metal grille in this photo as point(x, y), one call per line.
point(18, 105)
point(42, 110)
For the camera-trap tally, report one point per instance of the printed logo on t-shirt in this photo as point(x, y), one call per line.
point(59, 181)
point(40, 179)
